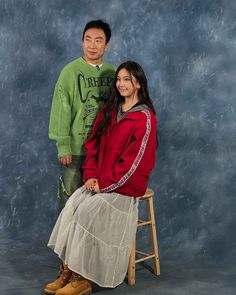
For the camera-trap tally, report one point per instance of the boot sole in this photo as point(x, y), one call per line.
point(88, 291)
point(49, 292)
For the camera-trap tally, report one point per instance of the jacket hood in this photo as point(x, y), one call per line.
point(135, 108)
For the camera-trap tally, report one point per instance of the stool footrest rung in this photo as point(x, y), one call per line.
point(144, 258)
point(143, 253)
point(143, 222)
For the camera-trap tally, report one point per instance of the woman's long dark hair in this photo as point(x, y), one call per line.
point(115, 99)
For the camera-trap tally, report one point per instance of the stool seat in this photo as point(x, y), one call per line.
point(148, 194)
point(148, 198)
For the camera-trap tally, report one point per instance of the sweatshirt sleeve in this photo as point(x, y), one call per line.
point(92, 148)
point(137, 159)
point(60, 116)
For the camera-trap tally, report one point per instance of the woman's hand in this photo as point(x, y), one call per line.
point(96, 188)
point(90, 184)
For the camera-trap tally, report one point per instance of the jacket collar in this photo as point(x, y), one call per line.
point(130, 113)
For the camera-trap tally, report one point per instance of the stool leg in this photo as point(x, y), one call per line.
point(131, 268)
point(154, 237)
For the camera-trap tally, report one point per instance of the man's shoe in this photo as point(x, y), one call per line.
point(77, 286)
point(61, 280)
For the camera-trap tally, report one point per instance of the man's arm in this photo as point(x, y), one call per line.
point(60, 118)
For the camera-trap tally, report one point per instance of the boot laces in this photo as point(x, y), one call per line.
point(75, 277)
point(63, 274)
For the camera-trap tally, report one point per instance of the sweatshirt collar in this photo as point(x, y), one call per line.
point(93, 65)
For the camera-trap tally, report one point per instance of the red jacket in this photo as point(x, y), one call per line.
point(126, 156)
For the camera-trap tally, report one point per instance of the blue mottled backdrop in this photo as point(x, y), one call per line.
point(188, 50)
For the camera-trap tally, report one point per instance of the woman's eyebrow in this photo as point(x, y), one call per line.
point(123, 77)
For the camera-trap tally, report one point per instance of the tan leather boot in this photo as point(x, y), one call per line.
point(77, 286)
point(61, 280)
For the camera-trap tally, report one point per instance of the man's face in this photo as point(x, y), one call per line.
point(94, 45)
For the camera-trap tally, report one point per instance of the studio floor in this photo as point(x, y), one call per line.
point(25, 268)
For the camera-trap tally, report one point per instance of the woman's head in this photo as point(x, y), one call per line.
point(127, 85)
point(138, 79)
point(137, 82)
point(136, 76)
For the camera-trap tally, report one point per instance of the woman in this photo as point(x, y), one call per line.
point(94, 232)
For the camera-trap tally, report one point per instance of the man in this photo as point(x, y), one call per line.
point(82, 87)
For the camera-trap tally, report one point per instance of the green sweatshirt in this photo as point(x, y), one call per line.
point(79, 92)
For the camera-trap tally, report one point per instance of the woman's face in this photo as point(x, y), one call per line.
point(127, 84)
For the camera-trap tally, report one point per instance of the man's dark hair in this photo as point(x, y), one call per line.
point(99, 24)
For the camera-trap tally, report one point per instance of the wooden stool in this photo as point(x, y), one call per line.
point(148, 197)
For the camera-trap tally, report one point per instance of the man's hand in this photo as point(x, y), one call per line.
point(91, 183)
point(66, 160)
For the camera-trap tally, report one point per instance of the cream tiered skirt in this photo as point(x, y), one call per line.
point(93, 235)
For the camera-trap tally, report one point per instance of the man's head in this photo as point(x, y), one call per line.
point(96, 37)
point(99, 24)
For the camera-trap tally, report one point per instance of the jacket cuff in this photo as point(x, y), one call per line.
point(89, 174)
point(63, 149)
point(102, 183)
